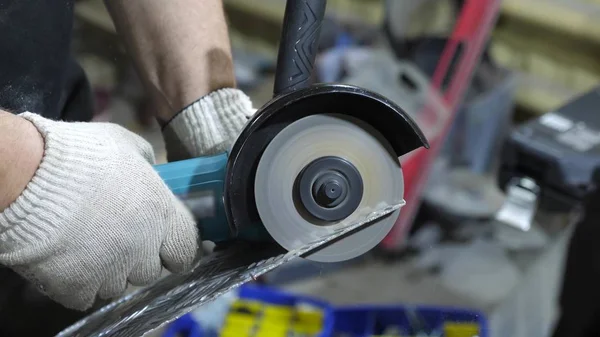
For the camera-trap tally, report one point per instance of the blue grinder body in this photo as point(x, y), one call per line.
point(204, 177)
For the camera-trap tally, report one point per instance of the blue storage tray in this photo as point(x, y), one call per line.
point(356, 321)
point(366, 321)
point(185, 326)
point(278, 297)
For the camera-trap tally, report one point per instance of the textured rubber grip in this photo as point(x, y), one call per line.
point(298, 46)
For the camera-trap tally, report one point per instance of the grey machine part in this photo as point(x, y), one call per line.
point(551, 162)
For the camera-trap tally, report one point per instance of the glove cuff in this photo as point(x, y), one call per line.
point(207, 126)
point(57, 185)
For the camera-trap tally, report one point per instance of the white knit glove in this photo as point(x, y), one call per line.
point(208, 126)
point(95, 216)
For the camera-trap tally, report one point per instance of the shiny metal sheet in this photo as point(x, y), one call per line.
point(216, 274)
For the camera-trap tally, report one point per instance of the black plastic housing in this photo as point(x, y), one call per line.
point(299, 43)
point(564, 160)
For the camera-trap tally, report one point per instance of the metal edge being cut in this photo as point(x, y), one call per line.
point(306, 140)
point(176, 295)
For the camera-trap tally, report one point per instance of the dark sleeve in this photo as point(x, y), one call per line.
point(580, 294)
point(36, 72)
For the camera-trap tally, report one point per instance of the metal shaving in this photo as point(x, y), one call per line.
point(176, 295)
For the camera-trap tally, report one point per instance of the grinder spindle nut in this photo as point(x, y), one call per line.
point(330, 188)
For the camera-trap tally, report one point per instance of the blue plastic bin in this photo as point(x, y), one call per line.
point(357, 321)
point(274, 296)
point(352, 322)
point(277, 297)
point(365, 321)
point(185, 326)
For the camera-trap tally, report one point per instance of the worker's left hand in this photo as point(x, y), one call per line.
point(208, 126)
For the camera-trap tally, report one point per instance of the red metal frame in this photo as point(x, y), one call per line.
point(472, 30)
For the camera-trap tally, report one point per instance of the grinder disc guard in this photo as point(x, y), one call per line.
point(327, 153)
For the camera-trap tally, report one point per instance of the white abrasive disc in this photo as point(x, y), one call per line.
point(313, 137)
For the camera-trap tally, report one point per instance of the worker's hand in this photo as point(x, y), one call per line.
point(95, 216)
point(208, 126)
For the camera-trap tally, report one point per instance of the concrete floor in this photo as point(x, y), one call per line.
point(380, 283)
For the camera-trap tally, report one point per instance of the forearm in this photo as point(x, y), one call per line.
point(180, 47)
point(21, 151)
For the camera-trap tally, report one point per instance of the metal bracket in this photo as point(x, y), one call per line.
point(521, 203)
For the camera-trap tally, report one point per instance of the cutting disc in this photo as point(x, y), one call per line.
point(309, 140)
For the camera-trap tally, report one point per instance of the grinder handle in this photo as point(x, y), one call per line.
point(199, 183)
point(298, 45)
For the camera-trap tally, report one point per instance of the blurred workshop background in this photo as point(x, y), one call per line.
point(471, 255)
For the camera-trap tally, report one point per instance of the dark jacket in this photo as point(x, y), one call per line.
point(38, 74)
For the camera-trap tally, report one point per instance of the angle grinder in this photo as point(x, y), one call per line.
point(313, 159)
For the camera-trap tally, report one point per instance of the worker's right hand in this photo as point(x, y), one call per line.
point(95, 216)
